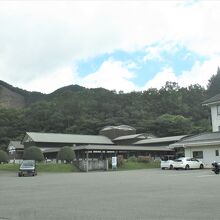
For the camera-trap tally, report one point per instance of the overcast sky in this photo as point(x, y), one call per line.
point(121, 45)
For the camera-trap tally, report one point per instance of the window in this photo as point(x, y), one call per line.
point(198, 154)
point(218, 109)
point(217, 153)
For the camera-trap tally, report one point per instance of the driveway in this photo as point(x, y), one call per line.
point(142, 194)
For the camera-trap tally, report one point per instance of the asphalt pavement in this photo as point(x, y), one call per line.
point(127, 195)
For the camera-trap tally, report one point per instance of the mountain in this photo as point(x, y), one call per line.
point(13, 97)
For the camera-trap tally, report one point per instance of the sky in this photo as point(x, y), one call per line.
point(118, 45)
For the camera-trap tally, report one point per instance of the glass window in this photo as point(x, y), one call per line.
point(198, 154)
point(217, 153)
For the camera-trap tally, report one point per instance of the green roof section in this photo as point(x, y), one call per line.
point(213, 100)
point(66, 138)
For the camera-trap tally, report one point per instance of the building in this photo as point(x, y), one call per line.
point(15, 149)
point(50, 143)
point(214, 104)
point(159, 146)
point(206, 146)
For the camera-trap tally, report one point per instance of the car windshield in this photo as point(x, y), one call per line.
point(27, 163)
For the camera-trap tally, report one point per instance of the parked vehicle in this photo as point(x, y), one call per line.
point(167, 162)
point(187, 163)
point(28, 167)
point(216, 167)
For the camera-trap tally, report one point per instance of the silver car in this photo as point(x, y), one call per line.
point(28, 167)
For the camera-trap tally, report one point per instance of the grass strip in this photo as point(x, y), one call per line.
point(42, 167)
point(131, 165)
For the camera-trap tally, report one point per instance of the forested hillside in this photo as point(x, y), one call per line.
point(171, 110)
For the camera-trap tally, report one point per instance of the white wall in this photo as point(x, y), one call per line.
point(215, 119)
point(208, 154)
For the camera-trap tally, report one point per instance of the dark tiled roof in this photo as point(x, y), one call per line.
point(202, 137)
point(198, 140)
point(215, 99)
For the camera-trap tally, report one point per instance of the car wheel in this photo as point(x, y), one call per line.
point(201, 166)
point(19, 174)
point(216, 171)
point(187, 167)
point(163, 168)
point(171, 167)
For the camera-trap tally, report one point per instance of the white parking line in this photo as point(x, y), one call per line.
point(208, 175)
point(180, 174)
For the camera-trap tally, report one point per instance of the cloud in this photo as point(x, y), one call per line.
point(52, 81)
point(161, 78)
point(200, 74)
point(112, 75)
point(40, 38)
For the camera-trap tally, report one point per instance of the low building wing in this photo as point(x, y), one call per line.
point(205, 139)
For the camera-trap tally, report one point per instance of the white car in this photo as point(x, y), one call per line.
point(167, 162)
point(187, 163)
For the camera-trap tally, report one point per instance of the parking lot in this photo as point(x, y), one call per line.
point(142, 194)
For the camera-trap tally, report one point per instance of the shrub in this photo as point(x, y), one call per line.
point(132, 159)
point(67, 154)
point(3, 157)
point(144, 159)
point(33, 153)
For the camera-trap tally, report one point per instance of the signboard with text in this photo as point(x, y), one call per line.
point(114, 162)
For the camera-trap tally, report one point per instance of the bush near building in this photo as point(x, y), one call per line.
point(66, 154)
point(33, 153)
point(3, 157)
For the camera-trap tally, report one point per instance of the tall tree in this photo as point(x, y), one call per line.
point(213, 87)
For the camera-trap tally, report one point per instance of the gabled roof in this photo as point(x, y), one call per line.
point(159, 140)
point(66, 138)
point(213, 100)
point(211, 138)
point(128, 137)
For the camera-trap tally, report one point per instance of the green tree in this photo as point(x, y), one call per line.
point(171, 125)
point(3, 157)
point(213, 87)
point(66, 153)
point(33, 153)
